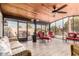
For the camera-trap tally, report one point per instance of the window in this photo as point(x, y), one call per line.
point(65, 26)
point(59, 28)
point(10, 29)
point(22, 29)
point(53, 27)
point(47, 28)
point(43, 28)
point(38, 27)
point(31, 28)
point(76, 24)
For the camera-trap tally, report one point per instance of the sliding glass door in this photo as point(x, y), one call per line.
point(59, 28)
point(10, 29)
point(15, 29)
point(53, 27)
point(22, 30)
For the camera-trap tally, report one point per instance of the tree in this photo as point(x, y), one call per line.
point(74, 24)
point(29, 26)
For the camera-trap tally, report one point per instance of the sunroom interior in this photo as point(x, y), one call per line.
point(40, 29)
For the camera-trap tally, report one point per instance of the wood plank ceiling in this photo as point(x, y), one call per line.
point(39, 11)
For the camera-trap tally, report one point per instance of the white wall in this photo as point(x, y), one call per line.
point(1, 28)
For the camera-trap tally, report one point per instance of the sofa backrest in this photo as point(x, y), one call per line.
point(72, 35)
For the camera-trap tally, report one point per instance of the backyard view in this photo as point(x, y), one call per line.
point(60, 28)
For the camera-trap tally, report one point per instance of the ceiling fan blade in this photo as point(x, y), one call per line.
point(60, 8)
point(61, 12)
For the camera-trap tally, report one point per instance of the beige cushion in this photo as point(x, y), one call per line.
point(16, 47)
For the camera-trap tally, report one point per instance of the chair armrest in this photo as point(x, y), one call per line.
point(24, 53)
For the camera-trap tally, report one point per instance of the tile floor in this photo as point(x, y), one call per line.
point(55, 47)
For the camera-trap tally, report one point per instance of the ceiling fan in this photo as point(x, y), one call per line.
point(59, 10)
point(56, 10)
